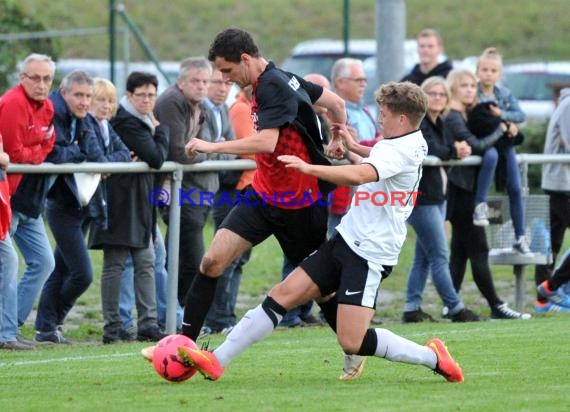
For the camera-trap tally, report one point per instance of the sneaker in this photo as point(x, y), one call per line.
point(25, 341)
point(16, 345)
point(203, 361)
point(464, 315)
point(446, 366)
point(150, 335)
point(555, 296)
point(148, 352)
point(353, 367)
point(226, 331)
point(205, 331)
point(481, 215)
point(109, 340)
point(416, 316)
point(310, 320)
point(521, 247)
point(502, 311)
point(51, 337)
point(129, 335)
point(545, 307)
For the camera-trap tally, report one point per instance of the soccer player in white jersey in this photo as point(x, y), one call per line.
point(350, 266)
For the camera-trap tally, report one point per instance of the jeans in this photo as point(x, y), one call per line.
point(431, 256)
point(296, 315)
point(8, 291)
point(73, 272)
point(514, 189)
point(31, 238)
point(127, 296)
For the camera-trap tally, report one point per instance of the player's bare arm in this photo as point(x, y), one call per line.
point(347, 175)
point(262, 142)
point(349, 140)
point(336, 111)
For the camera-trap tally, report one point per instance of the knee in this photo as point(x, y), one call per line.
point(211, 266)
point(491, 156)
point(350, 344)
point(44, 261)
point(86, 280)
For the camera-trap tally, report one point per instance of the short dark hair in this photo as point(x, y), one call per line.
point(138, 79)
point(231, 43)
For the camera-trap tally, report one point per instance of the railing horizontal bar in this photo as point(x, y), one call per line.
point(238, 164)
point(131, 167)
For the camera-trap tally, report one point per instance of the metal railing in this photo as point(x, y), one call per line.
point(178, 169)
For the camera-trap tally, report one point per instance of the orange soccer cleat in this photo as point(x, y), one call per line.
point(446, 366)
point(203, 361)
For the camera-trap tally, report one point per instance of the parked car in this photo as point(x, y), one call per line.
point(102, 68)
point(529, 83)
point(319, 55)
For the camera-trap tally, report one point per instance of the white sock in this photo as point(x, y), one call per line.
point(398, 349)
point(253, 327)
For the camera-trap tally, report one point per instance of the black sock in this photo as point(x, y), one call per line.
point(197, 302)
point(369, 343)
point(329, 309)
point(271, 307)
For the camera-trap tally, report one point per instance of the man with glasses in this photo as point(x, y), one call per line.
point(26, 116)
point(180, 107)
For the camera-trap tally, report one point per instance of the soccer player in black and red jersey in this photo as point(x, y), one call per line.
point(281, 202)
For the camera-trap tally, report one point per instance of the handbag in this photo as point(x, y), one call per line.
point(86, 184)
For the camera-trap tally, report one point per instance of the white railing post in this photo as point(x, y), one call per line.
point(173, 252)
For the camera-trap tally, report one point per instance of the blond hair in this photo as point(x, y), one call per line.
point(454, 79)
point(103, 88)
point(490, 53)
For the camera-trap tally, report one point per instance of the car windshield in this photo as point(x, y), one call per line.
point(532, 85)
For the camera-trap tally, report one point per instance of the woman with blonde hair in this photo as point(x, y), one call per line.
point(428, 216)
point(468, 241)
point(498, 105)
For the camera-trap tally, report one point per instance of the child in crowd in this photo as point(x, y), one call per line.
point(503, 106)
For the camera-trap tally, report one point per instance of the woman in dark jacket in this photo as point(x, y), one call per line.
point(428, 216)
point(131, 216)
point(469, 242)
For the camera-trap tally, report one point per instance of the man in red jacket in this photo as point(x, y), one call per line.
point(26, 116)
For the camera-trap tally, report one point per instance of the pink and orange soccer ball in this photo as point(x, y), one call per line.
point(166, 361)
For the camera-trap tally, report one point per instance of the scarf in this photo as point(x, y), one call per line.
point(145, 118)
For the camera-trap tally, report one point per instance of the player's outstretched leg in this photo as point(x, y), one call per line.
point(446, 366)
point(203, 361)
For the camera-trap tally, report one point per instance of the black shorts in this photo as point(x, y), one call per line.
point(336, 268)
point(299, 231)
